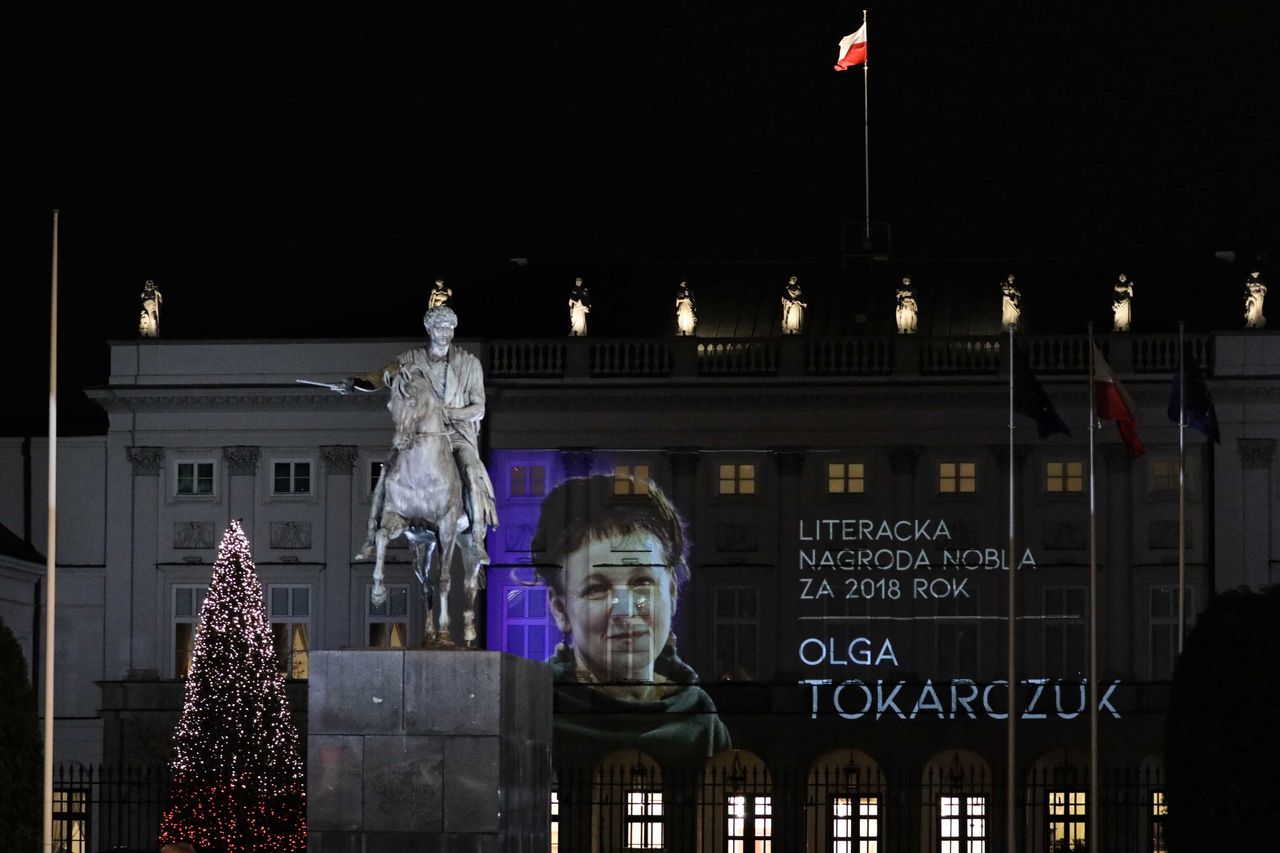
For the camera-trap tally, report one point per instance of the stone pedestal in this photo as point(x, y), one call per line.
point(421, 751)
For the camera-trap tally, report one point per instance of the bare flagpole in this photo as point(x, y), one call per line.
point(1010, 802)
point(1182, 487)
point(1091, 807)
point(866, 135)
point(51, 543)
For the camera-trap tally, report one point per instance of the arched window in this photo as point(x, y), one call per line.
point(845, 803)
point(739, 792)
point(956, 801)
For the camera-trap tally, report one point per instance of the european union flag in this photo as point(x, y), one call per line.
point(1030, 399)
point(1196, 406)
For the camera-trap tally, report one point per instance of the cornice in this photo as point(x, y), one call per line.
point(206, 398)
point(701, 393)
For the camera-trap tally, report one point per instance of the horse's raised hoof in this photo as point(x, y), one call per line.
point(368, 552)
point(438, 641)
point(378, 595)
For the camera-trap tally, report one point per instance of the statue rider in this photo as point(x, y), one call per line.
point(457, 380)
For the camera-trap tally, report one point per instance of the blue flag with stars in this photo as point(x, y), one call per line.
point(1196, 407)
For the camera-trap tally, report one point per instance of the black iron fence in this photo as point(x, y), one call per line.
point(852, 809)
point(843, 808)
point(106, 808)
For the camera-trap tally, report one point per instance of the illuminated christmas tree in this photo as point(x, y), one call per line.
point(237, 777)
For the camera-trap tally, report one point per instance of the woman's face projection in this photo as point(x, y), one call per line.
point(617, 605)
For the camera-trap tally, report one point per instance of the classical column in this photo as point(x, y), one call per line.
point(903, 459)
point(789, 815)
point(1000, 452)
point(576, 462)
point(1256, 457)
point(339, 520)
point(144, 636)
point(1116, 625)
point(242, 466)
point(1021, 489)
point(684, 478)
point(791, 501)
point(683, 493)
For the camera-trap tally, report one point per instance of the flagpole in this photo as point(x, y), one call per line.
point(866, 138)
point(1010, 803)
point(1091, 808)
point(51, 542)
point(1182, 487)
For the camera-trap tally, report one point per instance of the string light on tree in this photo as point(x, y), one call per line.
point(238, 783)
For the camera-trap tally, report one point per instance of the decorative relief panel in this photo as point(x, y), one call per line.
point(903, 458)
point(1163, 533)
point(734, 537)
point(1116, 456)
point(146, 460)
point(188, 535)
point(1065, 536)
point(683, 462)
point(290, 534)
point(241, 459)
point(1256, 452)
point(964, 534)
point(338, 458)
point(518, 537)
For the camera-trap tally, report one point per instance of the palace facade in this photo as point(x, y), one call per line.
point(847, 498)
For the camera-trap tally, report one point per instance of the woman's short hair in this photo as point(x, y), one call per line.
point(583, 509)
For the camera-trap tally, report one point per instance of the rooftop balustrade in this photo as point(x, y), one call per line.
point(900, 356)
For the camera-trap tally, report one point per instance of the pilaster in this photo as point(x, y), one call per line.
point(339, 520)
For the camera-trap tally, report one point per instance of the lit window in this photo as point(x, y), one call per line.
point(528, 481)
point(188, 599)
point(195, 478)
point(555, 822)
point(1063, 477)
point(291, 478)
point(1067, 820)
point(71, 820)
point(737, 629)
point(289, 609)
point(749, 824)
point(1159, 813)
point(1164, 475)
point(737, 480)
point(1163, 619)
point(644, 820)
point(957, 478)
point(962, 824)
point(846, 478)
point(631, 480)
point(855, 824)
point(524, 622)
point(388, 622)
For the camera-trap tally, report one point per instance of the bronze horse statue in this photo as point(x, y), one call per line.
point(423, 499)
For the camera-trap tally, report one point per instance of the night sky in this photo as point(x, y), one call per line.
point(311, 176)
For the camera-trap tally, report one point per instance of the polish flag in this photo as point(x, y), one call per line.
point(1114, 403)
point(853, 49)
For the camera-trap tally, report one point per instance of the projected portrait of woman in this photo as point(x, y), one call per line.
point(613, 567)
